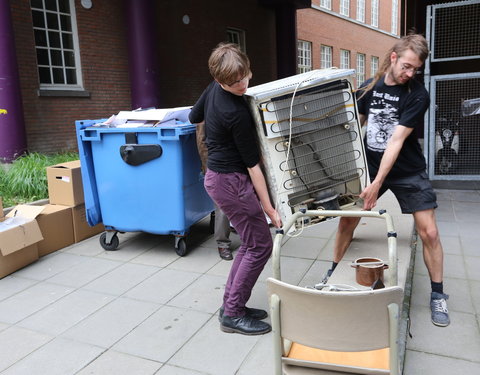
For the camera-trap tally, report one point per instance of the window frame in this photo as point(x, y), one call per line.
point(394, 25)
point(374, 65)
point(344, 57)
point(304, 56)
point(233, 32)
point(360, 71)
point(327, 4)
point(62, 50)
point(374, 14)
point(345, 8)
point(323, 54)
point(360, 16)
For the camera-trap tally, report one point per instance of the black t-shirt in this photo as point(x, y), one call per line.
point(229, 130)
point(386, 107)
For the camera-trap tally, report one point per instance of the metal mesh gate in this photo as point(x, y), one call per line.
point(455, 125)
point(456, 31)
point(452, 132)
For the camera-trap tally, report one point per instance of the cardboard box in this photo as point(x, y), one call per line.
point(19, 235)
point(81, 228)
point(56, 225)
point(65, 184)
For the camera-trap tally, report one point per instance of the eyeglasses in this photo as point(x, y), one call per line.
point(244, 79)
point(409, 68)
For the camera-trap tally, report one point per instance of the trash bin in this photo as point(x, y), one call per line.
point(145, 179)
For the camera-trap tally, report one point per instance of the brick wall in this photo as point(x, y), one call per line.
point(322, 28)
point(50, 121)
point(183, 52)
point(184, 48)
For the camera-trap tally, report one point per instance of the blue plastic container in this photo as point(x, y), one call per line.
point(145, 179)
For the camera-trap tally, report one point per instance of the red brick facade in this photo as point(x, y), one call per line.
point(49, 121)
point(183, 50)
point(327, 27)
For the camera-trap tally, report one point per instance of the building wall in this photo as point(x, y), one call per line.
point(50, 121)
point(329, 28)
point(182, 49)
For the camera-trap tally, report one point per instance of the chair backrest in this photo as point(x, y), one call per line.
point(337, 321)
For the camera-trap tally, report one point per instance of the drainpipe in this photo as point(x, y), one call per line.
point(140, 25)
point(13, 142)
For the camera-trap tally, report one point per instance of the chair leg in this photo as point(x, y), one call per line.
point(277, 339)
point(393, 312)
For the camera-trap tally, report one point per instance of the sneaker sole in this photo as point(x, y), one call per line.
point(440, 324)
point(233, 330)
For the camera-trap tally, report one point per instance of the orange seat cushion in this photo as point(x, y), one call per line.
point(377, 359)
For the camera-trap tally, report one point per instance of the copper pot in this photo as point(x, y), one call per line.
point(368, 274)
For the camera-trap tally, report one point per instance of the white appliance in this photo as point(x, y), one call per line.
point(311, 142)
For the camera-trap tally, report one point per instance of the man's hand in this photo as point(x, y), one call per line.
point(370, 195)
point(275, 218)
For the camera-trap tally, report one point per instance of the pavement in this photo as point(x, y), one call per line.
point(144, 310)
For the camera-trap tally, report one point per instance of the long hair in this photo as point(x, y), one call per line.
point(414, 42)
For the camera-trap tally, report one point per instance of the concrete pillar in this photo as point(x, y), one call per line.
point(13, 141)
point(143, 67)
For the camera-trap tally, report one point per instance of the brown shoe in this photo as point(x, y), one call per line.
point(225, 253)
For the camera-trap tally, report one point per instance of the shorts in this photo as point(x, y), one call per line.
point(413, 193)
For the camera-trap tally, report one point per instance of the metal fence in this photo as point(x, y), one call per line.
point(454, 127)
point(452, 131)
point(455, 31)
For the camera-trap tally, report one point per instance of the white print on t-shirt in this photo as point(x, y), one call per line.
point(382, 119)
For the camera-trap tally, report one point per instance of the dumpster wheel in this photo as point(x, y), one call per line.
point(114, 241)
point(180, 246)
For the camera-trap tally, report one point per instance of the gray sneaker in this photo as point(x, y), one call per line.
point(438, 305)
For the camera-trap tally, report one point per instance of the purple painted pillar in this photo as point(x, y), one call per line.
point(141, 21)
point(13, 141)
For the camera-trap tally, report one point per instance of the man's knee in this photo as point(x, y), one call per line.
point(429, 235)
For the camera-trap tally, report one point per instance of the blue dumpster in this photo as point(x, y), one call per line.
point(145, 179)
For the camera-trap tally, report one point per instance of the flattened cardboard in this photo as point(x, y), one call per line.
point(65, 184)
point(81, 229)
point(56, 225)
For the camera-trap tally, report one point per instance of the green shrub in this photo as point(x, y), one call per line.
point(25, 180)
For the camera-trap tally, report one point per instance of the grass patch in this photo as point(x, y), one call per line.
point(25, 180)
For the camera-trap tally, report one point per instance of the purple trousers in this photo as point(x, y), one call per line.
point(236, 197)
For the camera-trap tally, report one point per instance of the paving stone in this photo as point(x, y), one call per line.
point(114, 363)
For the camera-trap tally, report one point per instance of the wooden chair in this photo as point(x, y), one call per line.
point(325, 332)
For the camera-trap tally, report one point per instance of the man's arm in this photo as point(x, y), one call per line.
point(370, 193)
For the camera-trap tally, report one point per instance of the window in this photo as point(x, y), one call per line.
point(344, 59)
point(373, 66)
point(304, 56)
point(56, 44)
point(360, 68)
point(237, 36)
point(374, 20)
point(361, 10)
point(326, 4)
point(394, 16)
point(326, 57)
point(345, 7)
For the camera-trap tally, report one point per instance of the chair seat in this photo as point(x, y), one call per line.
point(376, 360)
